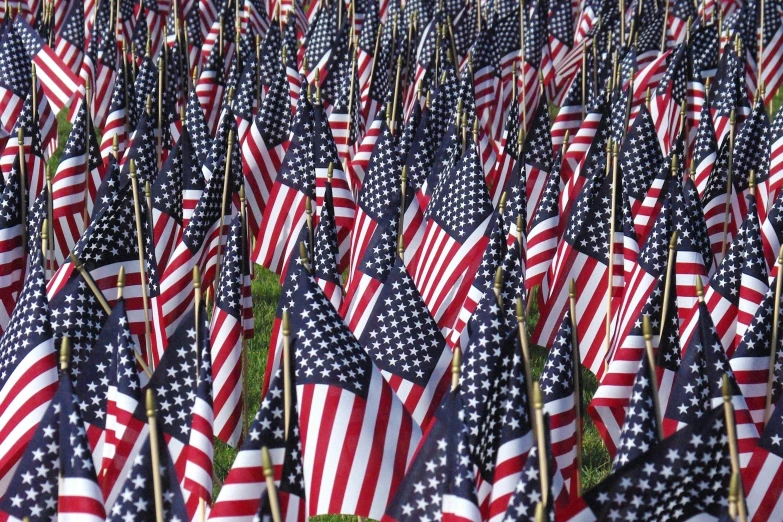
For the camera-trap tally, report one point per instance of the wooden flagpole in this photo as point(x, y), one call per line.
point(576, 360)
point(224, 202)
point(142, 268)
point(543, 463)
point(22, 186)
point(648, 349)
point(734, 495)
point(774, 338)
point(610, 268)
point(731, 432)
point(159, 148)
point(401, 222)
point(197, 327)
point(244, 254)
point(669, 279)
point(456, 362)
point(157, 487)
point(287, 397)
point(269, 477)
point(45, 247)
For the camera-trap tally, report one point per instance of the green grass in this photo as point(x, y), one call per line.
point(266, 290)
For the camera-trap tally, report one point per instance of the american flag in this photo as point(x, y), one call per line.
point(52, 482)
point(117, 121)
point(537, 154)
point(201, 140)
point(545, 229)
point(326, 252)
point(166, 192)
point(137, 496)
point(241, 499)
point(228, 341)
point(561, 41)
point(245, 100)
point(762, 477)
point(772, 235)
point(58, 81)
point(569, 117)
point(643, 296)
point(705, 149)
point(284, 216)
point(668, 98)
point(14, 78)
point(350, 387)
point(704, 51)
point(508, 149)
point(12, 256)
point(697, 387)
point(123, 384)
point(28, 379)
point(440, 484)
point(199, 452)
point(751, 154)
point(722, 227)
point(70, 41)
point(265, 146)
point(497, 408)
point(396, 313)
point(457, 219)
point(35, 164)
point(694, 253)
point(640, 430)
point(750, 362)
point(560, 396)
point(346, 127)
point(681, 13)
point(725, 93)
point(209, 88)
point(650, 488)
point(321, 36)
point(174, 383)
point(145, 86)
point(200, 238)
point(324, 154)
point(255, 17)
point(772, 42)
point(75, 185)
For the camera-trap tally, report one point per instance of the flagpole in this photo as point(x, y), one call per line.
point(351, 87)
point(665, 24)
point(610, 268)
point(142, 269)
point(761, 43)
point(622, 24)
point(731, 432)
point(287, 397)
point(159, 150)
point(456, 362)
point(45, 247)
point(648, 348)
point(393, 120)
point(224, 202)
point(584, 78)
point(375, 55)
point(157, 487)
point(269, 476)
point(540, 513)
point(401, 219)
point(577, 363)
point(543, 463)
point(197, 343)
point(774, 340)
point(243, 251)
point(669, 278)
point(22, 185)
point(86, 214)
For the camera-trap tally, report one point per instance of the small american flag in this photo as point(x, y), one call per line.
point(265, 146)
point(12, 257)
point(537, 156)
point(117, 121)
point(440, 484)
point(70, 42)
point(58, 81)
point(210, 88)
point(650, 488)
point(640, 430)
point(705, 149)
point(52, 482)
point(703, 48)
point(762, 477)
point(349, 387)
point(668, 98)
point(241, 499)
point(326, 252)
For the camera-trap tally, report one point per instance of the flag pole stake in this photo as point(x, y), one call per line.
point(22, 186)
point(224, 202)
point(45, 247)
point(456, 362)
point(669, 279)
point(610, 268)
point(577, 362)
point(774, 339)
point(401, 222)
point(142, 268)
point(245, 369)
point(157, 487)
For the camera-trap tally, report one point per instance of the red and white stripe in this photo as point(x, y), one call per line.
point(199, 452)
point(226, 338)
point(763, 481)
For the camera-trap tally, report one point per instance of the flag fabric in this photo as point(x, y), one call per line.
point(326, 252)
point(640, 430)
point(761, 477)
point(12, 256)
point(69, 44)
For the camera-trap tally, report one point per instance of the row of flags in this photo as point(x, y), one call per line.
point(399, 167)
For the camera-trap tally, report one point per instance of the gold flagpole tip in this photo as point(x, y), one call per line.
point(499, 280)
point(502, 202)
point(673, 241)
point(456, 362)
point(194, 74)
point(752, 180)
point(266, 462)
point(726, 388)
point(699, 288)
point(538, 401)
point(404, 174)
point(675, 164)
point(150, 402)
point(132, 167)
point(196, 277)
point(121, 278)
point(566, 137)
point(308, 206)
point(732, 117)
point(115, 142)
point(615, 148)
point(330, 172)
point(520, 309)
point(65, 353)
point(20, 135)
point(646, 328)
point(572, 288)
point(780, 256)
point(286, 323)
point(148, 104)
point(45, 229)
point(521, 136)
point(734, 487)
